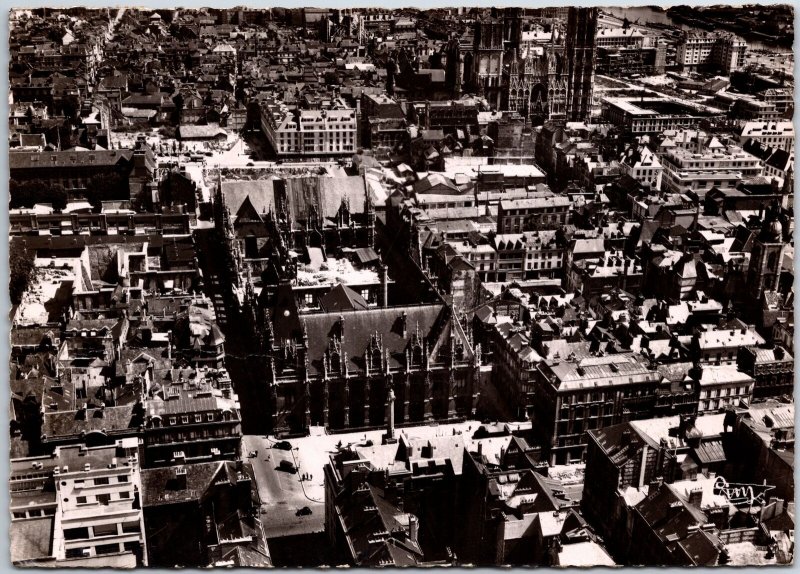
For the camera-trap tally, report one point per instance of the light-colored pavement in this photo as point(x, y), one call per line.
point(282, 493)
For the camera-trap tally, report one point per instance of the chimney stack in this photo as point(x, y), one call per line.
point(413, 527)
point(180, 477)
point(696, 497)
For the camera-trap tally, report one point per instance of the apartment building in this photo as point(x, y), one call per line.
point(82, 505)
point(324, 132)
point(779, 135)
point(719, 387)
point(654, 114)
point(534, 213)
point(722, 52)
point(574, 396)
point(704, 168)
point(619, 37)
point(195, 417)
point(721, 346)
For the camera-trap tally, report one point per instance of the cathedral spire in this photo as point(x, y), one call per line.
point(514, 72)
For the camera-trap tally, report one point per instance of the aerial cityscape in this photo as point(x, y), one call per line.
point(376, 287)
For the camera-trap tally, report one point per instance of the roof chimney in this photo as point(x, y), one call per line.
point(180, 478)
point(696, 497)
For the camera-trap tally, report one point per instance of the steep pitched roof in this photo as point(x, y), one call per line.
point(430, 320)
point(342, 298)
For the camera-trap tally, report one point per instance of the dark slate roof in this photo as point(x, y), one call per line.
point(160, 486)
point(25, 160)
point(710, 452)
point(359, 325)
point(72, 423)
point(325, 194)
point(610, 439)
point(342, 298)
point(260, 193)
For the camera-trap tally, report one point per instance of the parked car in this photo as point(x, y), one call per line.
point(287, 466)
point(252, 454)
point(305, 511)
point(283, 445)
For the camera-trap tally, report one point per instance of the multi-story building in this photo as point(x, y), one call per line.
point(514, 514)
point(88, 509)
point(702, 51)
point(721, 346)
point(535, 213)
point(573, 396)
point(204, 514)
point(402, 497)
point(323, 132)
point(74, 169)
point(620, 459)
point(778, 135)
point(654, 114)
point(765, 434)
point(619, 38)
point(771, 366)
point(450, 116)
point(632, 59)
point(781, 98)
point(614, 269)
point(383, 122)
point(193, 417)
point(705, 168)
point(33, 222)
point(719, 387)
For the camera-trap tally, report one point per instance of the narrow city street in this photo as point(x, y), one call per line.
point(283, 492)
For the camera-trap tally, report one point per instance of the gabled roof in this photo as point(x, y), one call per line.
point(342, 298)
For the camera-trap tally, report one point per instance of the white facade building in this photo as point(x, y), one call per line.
point(779, 135)
point(310, 132)
point(703, 169)
point(643, 166)
point(725, 52)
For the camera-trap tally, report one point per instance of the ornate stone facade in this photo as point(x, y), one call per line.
point(337, 369)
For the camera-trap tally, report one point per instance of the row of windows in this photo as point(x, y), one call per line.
point(103, 499)
point(545, 265)
point(741, 390)
point(102, 549)
point(197, 418)
point(34, 513)
point(98, 530)
point(220, 433)
point(715, 404)
point(99, 481)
